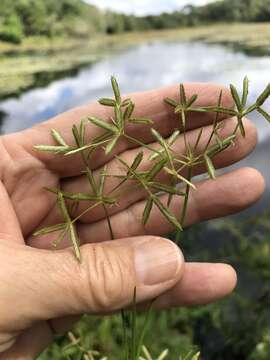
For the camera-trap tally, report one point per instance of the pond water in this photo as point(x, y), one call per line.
point(145, 67)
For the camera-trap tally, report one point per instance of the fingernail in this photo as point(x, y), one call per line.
point(157, 261)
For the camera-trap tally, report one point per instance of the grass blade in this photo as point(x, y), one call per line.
point(210, 167)
point(263, 97)
point(111, 145)
point(58, 138)
point(264, 114)
point(236, 97)
point(245, 92)
point(116, 90)
point(147, 211)
point(166, 212)
point(103, 124)
point(107, 102)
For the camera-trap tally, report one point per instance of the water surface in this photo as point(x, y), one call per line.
point(146, 67)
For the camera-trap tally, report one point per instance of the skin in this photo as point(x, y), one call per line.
point(38, 284)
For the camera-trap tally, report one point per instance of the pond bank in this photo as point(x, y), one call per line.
point(38, 61)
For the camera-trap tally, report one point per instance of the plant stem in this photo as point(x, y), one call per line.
point(185, 205)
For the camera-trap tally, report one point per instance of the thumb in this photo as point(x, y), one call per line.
point(54, 284)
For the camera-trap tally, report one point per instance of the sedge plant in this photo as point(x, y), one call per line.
point(164, 159)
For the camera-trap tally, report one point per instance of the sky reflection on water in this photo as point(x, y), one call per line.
point(146, 67)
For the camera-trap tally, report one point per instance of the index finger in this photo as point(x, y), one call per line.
point(149, 104)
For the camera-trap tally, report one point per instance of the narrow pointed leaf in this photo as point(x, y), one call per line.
point(250, 109)
point(129, 110)
point(183, 95)
point(116, 89)
point(264, 96)
point(138, 159)
point(158, 137)
point(198, 139)
point(221, 110)
point(173, 137)
point(50, 229)
point(141, 121)
point(147, 211)
point(210, 166)
point(111, 145)
point(245, 91)
point(264, 114)
point(166, 212)
point(156, 169)
point(192, 100)
point(236, 97)
point(119, 121)
point(76, 135)
point(103, 124)
point(75, 241)
point(82, 130)
point(58, 137)
point(166, 188)
point(170, 102)
point(107, 102)
point(54, 149)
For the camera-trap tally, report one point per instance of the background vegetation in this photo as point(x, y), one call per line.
point(24, 18)
point(237, 328)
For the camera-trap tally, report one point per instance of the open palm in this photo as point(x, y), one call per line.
point(27, 206)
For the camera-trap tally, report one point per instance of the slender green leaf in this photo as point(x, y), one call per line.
point(156, 169)
point(141, 121)
point(116, 90)
point(138, 159)
point(236, 97)
point(50, 229)
point(147, 211)
point(158, 137)
point(58, 137)
point(170, 102)
point(250, 109)
point(210, 167)
point(183, 97)
point(111, 145)
point(76, 135)
point(75, 241)
point(173, 137)
point(53, 149)
point(82, 130)
point(107, 102)
point(264, 96)
point(129, 110)
point(245, 92)
point(192, 100)
point(119, 120)
point(166, 188)
point(264, 114)
point(221, 110)
point(103, 124)
point(167, 213)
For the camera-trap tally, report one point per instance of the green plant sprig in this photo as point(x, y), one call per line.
point(179, 167)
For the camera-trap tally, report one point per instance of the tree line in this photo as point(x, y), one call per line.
point(23, 18)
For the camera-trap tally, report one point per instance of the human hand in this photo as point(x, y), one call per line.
point(55, 276)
